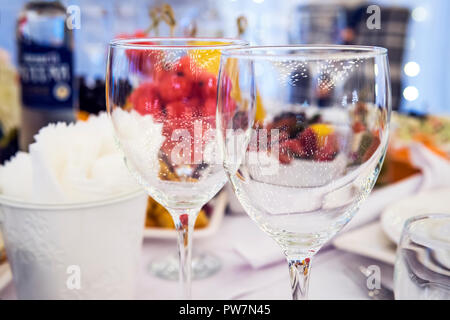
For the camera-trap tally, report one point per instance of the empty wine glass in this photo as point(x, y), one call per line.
point(302, 168)
point(422, 267)
point(161, 96)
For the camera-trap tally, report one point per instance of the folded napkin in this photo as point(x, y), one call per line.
point(69, 163)
point(257, 248)
point(435, 174)
point(435, 169)
point(15, 177)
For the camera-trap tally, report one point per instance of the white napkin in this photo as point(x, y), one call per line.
point(380, 198)
point(435, 173)
point(257, 248)
point(15, 176)
point(69, 163)
point(435, 169)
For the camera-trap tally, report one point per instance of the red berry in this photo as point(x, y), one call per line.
point(140, 34)
point(181, 110)
point(329, 148)
point(293, 147)
point(173, 87)
point(207, 84)
point(284, 157)
point(140, 60)
point(137, 34)
point(308, 140)
point(196, 105)
point(145, 100)
point(184, 219)
point(184, 67)
point(209, 108)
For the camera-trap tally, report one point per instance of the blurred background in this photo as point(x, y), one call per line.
point(414, 31)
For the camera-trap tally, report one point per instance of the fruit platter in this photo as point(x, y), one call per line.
point(432, 131)
point(314, 136)
point(159, 224)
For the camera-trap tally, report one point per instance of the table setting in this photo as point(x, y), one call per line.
point(224, 170)
point(70, 167)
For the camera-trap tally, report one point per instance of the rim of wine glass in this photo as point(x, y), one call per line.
point(178, 43)
point(29, 205)
point(424, 240)
point(306, 52)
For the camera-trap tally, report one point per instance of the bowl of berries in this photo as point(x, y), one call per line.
point(306, 142)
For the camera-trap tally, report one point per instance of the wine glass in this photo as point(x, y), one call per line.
point(302, 168)
point(161, 96)
point(422, 267)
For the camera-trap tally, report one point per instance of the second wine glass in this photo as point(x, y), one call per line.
point(161, 96)
point(303, 131)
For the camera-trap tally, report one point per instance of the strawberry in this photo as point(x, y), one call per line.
point(140, 34)
point(173, 87)
point(146, 100)
point(308, 140)
point(184, 67)
point(196, 105)
point(180, 110)
point(293, 147)
point(140, 60)
point(209, 107)
point(284, 157)
point(184, 219)
point(207, 84)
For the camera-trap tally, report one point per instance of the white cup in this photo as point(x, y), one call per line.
point(77, 251)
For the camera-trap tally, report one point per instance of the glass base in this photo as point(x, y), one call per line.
point(204, 265)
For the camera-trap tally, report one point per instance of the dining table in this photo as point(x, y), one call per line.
point(335, 273)
point(253, 267)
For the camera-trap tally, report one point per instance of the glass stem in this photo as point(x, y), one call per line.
point(299, 270)
point(184, 223)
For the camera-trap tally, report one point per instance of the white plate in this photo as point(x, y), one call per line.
point(368, 241)
point(219, 204)
point(394, 216)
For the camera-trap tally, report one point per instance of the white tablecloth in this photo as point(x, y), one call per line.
point(330, 277)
